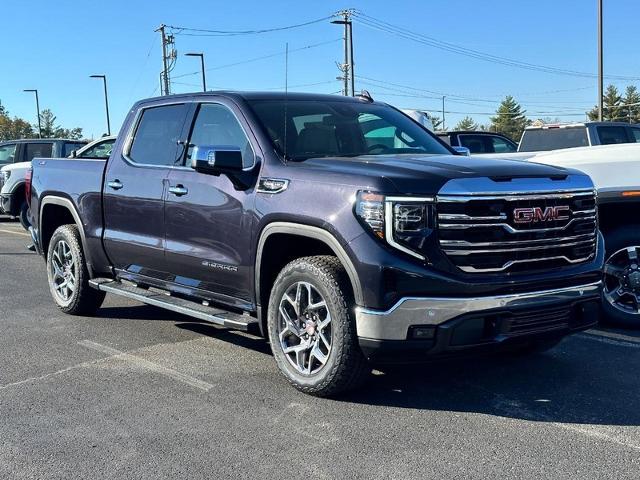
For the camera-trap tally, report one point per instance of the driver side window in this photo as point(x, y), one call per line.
point(216, 125)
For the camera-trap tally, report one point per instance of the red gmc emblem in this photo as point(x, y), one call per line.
point(537, 214)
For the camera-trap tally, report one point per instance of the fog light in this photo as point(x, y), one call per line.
point(423, 333)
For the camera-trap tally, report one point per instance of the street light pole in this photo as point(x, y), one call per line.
point(201, 55)
point(37, 109)
point(106, 100)
point(443, 117)
point(600, 64)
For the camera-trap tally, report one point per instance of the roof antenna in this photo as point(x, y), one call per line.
point(286, 94)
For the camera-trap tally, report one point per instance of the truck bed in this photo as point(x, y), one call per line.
point(74, 183)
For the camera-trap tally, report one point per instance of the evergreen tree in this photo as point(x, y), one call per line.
point(612, 110)
point(437, 122)
point(466, 123)
point(510, 119)
point(51, 130)
point(631, 102)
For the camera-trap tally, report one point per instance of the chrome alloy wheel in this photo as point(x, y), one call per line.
point(304, 328)
point(622, 280)
point(63, 276)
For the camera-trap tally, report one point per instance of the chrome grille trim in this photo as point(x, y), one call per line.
point(514, 197)
point(464, 243)
point(518, 249)
point(478, 234)
point(510, 263)
point(509, 228)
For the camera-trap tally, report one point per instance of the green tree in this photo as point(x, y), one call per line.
point(51, 130)
point(631, 102)
point(437, 122)
point(612, 110)
point(510, 119)
point(466, 123)
point(13, 128)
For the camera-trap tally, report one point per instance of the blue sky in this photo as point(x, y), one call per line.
point(55, 46)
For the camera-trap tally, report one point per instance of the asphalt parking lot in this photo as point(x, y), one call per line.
point(137, 392)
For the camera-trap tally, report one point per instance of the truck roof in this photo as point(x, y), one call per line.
point(577, 125)
point(42, 140)
point(256, 96)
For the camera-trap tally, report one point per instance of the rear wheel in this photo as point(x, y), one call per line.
point(24, 216)
point(68, 275)
point(312, 329)
point(621, 293)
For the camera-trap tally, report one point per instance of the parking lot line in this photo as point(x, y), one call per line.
point(141, 362)
point(609, 338)
point(15, 233)
point(613, 335)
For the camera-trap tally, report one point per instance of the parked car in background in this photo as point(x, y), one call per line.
point(286, 215)
point(572, 135)
point(479, 141)
point(100, 149)
point(15, 160)
point(420, 116)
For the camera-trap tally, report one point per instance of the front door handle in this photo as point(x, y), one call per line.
point(178, 190)
point(115, 184)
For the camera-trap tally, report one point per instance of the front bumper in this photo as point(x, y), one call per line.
point(9, 204)
point(456, 324)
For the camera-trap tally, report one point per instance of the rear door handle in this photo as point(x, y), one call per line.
point(178, 190)
point(115, 184)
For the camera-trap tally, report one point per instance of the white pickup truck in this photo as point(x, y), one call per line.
point(615, 171)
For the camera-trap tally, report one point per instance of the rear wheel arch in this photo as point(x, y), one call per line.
point(59, 211)
point(306, 240)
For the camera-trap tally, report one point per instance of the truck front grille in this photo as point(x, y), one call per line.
point(517, 232)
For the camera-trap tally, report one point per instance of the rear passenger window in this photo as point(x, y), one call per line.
point(500, 145)
point(612, 135)
point(475, 143)
point(635, 135)
point(216, 125)
point(156, 139)
point(38, 150)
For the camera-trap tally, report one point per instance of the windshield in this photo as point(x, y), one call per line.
point(341, 129)
point(545, 139)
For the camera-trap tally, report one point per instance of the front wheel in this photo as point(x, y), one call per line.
point(68, 275)
point(312, 328)
point(621, 293)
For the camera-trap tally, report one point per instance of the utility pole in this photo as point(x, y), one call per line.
point(33, 90)
point(600, 64)
point(106, 99)
point(346, 68)
point(168, 58)
point(443, 117)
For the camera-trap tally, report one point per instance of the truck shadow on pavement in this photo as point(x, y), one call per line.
point(581, 381)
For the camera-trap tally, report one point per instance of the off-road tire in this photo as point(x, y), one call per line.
point(84, 300)
point(616, 240)
point(346, 367)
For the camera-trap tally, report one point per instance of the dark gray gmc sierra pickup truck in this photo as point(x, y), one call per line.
point(337, 227)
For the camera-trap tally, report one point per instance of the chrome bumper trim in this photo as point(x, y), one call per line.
point(394, 323)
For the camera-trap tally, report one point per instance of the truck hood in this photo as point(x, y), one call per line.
point(16, 166)
point(428, 173)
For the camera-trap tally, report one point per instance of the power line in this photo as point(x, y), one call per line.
point(263, 57)
point(201, 32)
point(453, 48)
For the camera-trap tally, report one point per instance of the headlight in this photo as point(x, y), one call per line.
point(404, 222)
